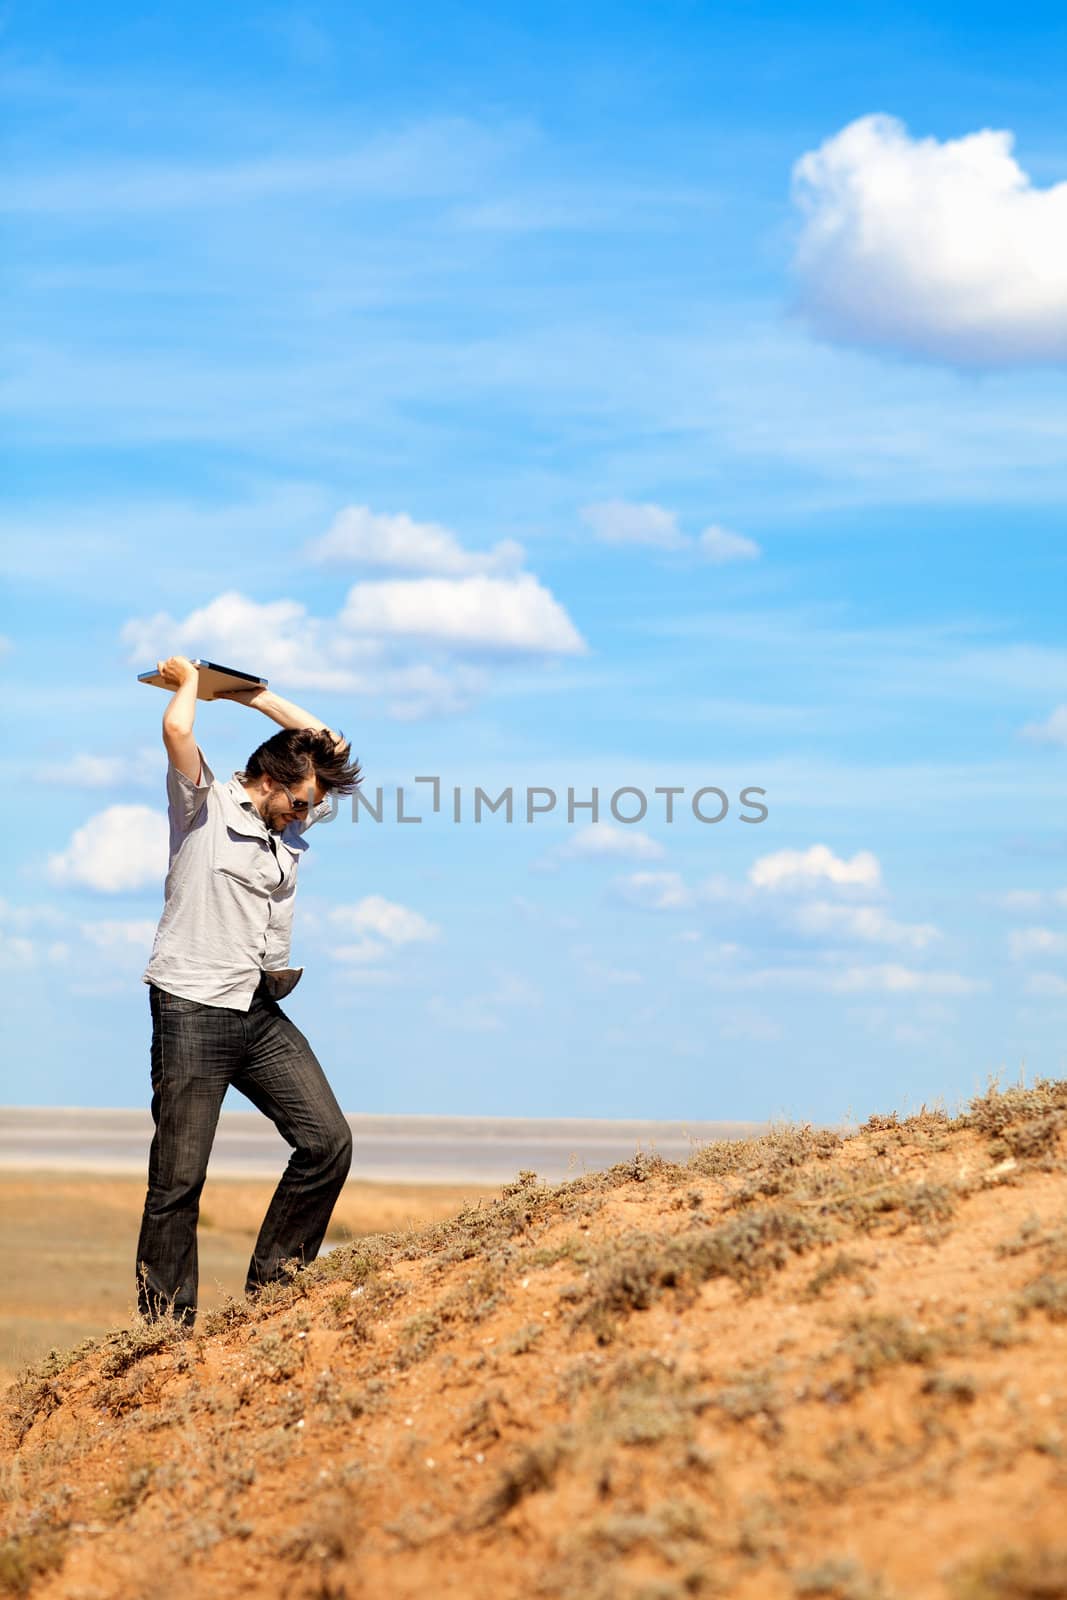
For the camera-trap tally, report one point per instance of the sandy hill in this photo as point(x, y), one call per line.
point(801, 1365)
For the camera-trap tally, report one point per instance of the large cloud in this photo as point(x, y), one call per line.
point(364, 537)
point(275, 638)
point(515, 614)
point(405, 642)
point(945, 250)
point(122, 848)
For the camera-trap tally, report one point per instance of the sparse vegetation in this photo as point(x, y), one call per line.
point(29, 1556)
point(661, 1381)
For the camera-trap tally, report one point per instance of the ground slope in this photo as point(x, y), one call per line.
point(795, 1366)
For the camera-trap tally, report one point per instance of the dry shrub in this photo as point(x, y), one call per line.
point(838, 1579)
point(877, 1342)
point(633, 1271)
point(1035, 1137)
point(771, 1154)
point(1034, 1574)
point(143, 1338)
point(1048, 1294)
point(994, 1112)
point(841, 1268)
point(39, 1392)
point(643, 1400)
point(534, 1468)
point(29, 1556)
point(331, 1535)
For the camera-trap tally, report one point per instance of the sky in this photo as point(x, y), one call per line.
point(620, 398)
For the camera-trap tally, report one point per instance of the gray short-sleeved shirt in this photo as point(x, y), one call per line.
point(228, 899)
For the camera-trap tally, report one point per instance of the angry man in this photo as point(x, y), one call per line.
point(219, 966)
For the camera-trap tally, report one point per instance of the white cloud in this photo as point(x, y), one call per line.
point(124, 847)
point(600, 841)
point(31, 919)
point(791, 869)
point(422, 690)
point(104, 943)
point(656, 891)
point(376, 917)
point(273, 639)
point(83, 770)
point(750, 1025)
point(943, 249)
point(378, 646)
point(363, 953)
point(480, 1013)
point(1026, 942)
point(516, 614)
point(432, 157)
point(1030, 899)
point(118, 937)
point(624, 522)
point(1019, 899)
point(883, 978)
point(720, 545)
point(6, 646)
point(867, 923)
point(1051, 984)
point(889, 978)
point(360, 535)
point(21, 952)
point(1052, 731)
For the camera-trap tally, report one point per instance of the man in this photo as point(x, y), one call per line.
point(219, 966)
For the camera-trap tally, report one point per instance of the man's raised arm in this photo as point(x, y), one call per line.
point(179, 674)
point(284, 712)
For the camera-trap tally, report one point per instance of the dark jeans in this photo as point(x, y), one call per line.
point(197, 1052)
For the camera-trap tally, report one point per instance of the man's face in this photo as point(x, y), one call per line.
point(279, 810)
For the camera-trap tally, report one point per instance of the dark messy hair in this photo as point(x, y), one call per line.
point(297, 753)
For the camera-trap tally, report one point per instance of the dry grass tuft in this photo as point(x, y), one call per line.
point(29, 1556)
point(1014, 1575)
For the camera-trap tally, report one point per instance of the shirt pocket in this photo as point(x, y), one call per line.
point(249, 862)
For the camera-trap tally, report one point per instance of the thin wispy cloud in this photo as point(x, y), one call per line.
point(1052, 731)
point(622, 522)
point(432, 158)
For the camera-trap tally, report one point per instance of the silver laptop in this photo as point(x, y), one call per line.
point(213, 678)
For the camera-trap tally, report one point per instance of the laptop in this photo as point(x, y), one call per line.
point(213, 679)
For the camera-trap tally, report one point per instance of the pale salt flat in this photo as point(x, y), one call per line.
point(389, 1149)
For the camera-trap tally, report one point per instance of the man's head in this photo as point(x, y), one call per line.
point(296, 769)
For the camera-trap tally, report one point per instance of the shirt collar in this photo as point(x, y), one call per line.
point(242, 813)
point(243, 817)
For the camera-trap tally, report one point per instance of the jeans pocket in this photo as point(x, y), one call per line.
point(178, 1005)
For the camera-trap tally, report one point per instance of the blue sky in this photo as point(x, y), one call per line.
point(632, 397)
